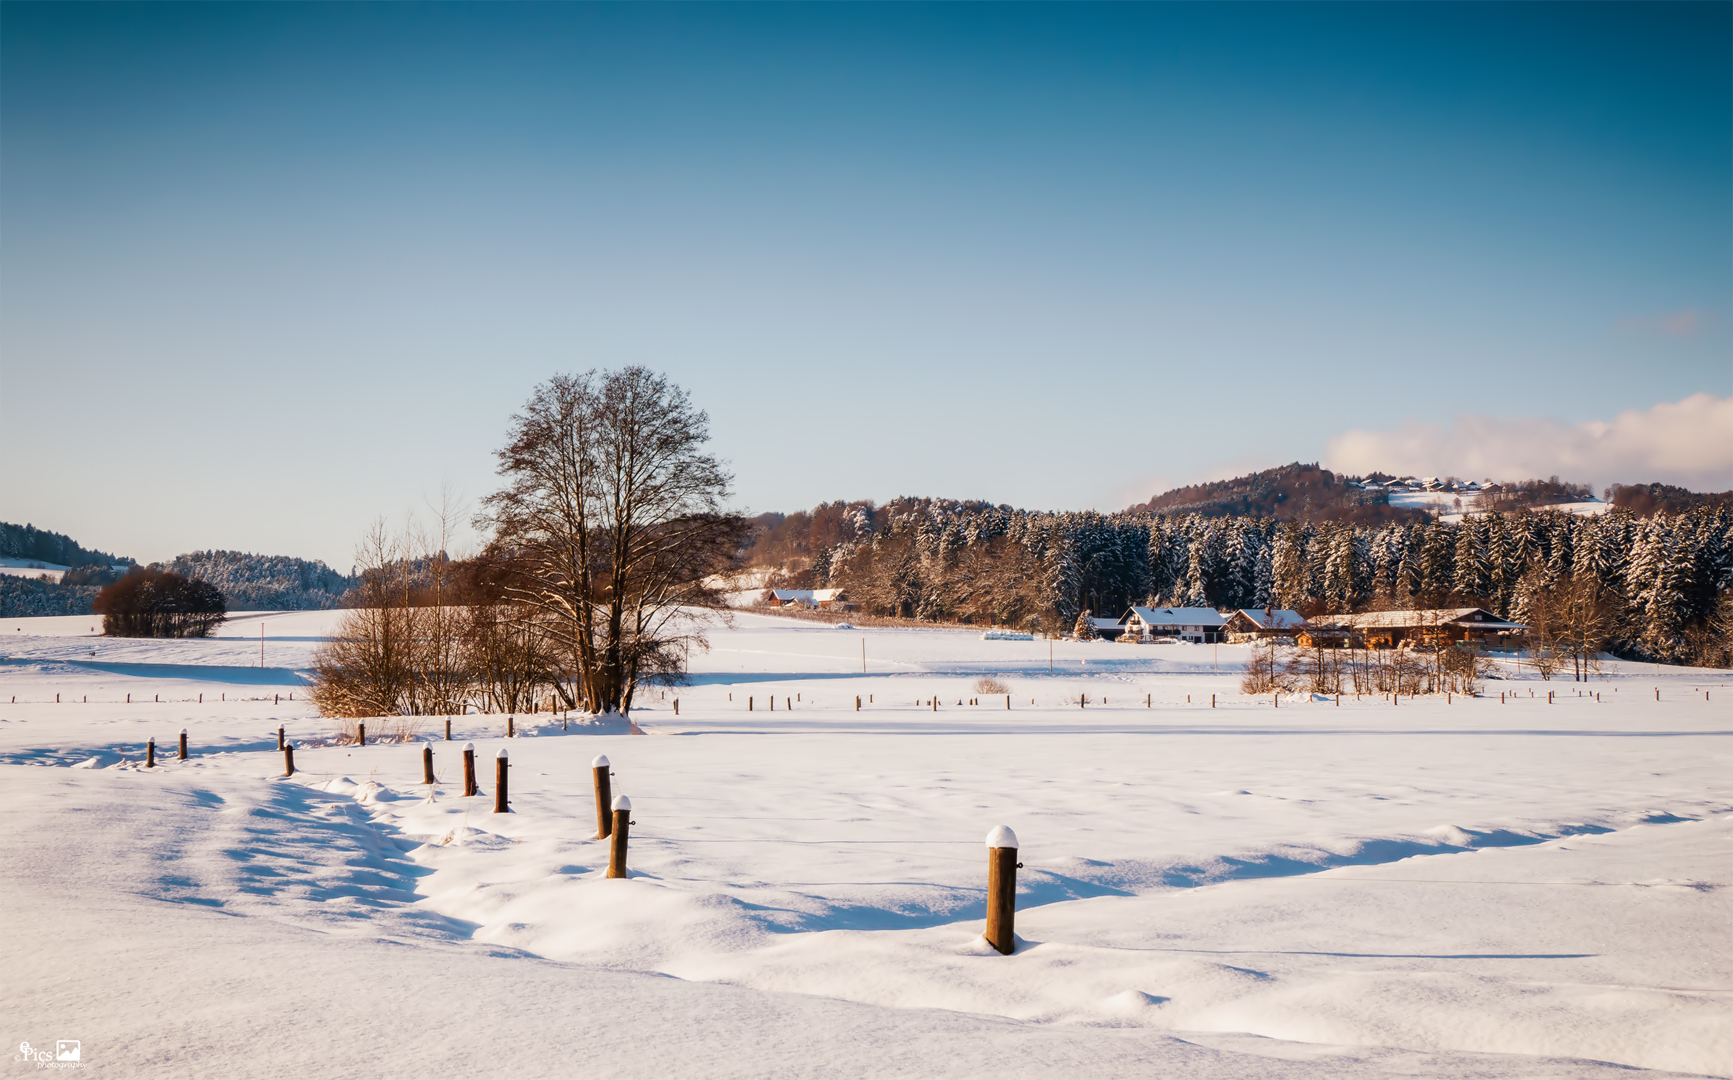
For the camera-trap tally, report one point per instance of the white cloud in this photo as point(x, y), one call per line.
point(1689, 443)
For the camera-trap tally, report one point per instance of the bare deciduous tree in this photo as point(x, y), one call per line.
point(612, 519)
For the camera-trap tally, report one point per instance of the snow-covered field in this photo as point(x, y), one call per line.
point(1314, 890)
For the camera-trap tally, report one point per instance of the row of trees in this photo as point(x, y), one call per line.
point(606, 540)
point(1437, 668)
point(1659, 584)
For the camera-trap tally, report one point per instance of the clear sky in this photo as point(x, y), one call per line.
point(267, 272)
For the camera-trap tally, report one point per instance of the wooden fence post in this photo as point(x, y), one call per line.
point(676, 706)
point(448, 729)
point(469, 787)
point(604, 797)
point(1002, 867)
point(500, 804)
point(279, 736)
point(150, 754)
point(427, 763)
point(183, 756)
point(617, 850)
point(288, 759)
point(511, 727)
point(360, 733)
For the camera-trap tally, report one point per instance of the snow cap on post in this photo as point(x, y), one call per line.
point(621, 802)
point(469, 748)
point(1002, 836)
point(183, 731)
point(601, 762)
point(502, 752)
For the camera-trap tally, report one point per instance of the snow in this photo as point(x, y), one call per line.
point(1445, 503)
point(621, 802)
point(1002, 837)
point(1474, 889)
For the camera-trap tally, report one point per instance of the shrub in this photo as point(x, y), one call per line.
point(989, 685)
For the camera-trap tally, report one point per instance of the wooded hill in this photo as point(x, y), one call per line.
point(1305, 492)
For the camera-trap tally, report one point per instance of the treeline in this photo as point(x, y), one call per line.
point(22, 598)
point(1669, 575)
point(251, 582)
point(40, 545)
point(1646, 499)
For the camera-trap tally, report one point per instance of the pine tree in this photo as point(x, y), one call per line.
point(1085, 628)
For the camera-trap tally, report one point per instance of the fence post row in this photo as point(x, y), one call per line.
point(1002, 867)
point(469, 787)
point(500, 802)
point(604, 797)
point(617, 850)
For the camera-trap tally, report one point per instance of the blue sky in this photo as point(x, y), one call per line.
point(267, 272)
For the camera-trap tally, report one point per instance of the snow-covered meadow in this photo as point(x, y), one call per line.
point(1317, 889)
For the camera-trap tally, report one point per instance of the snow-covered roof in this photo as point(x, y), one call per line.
point(1176, 616)
point(1467, 616)
point(1105, 624)
point(783, 596)
point(1273, 619)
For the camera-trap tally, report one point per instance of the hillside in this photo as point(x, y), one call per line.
point(1645, 500)
point(1304, 492)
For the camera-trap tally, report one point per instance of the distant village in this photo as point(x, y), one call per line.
point(1146, 625)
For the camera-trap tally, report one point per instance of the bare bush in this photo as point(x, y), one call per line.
point(1263, 669)
point(989, 685)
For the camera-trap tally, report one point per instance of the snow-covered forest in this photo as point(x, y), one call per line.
point(29, 542)
point(264, 582)
point(937, 560)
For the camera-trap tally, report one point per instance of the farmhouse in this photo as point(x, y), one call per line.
point(811, 598)
point(1199, 624)
point(1383, 629)
point(1250, 624)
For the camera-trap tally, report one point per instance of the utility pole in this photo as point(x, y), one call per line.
point(863, 656)
point(261, 643)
